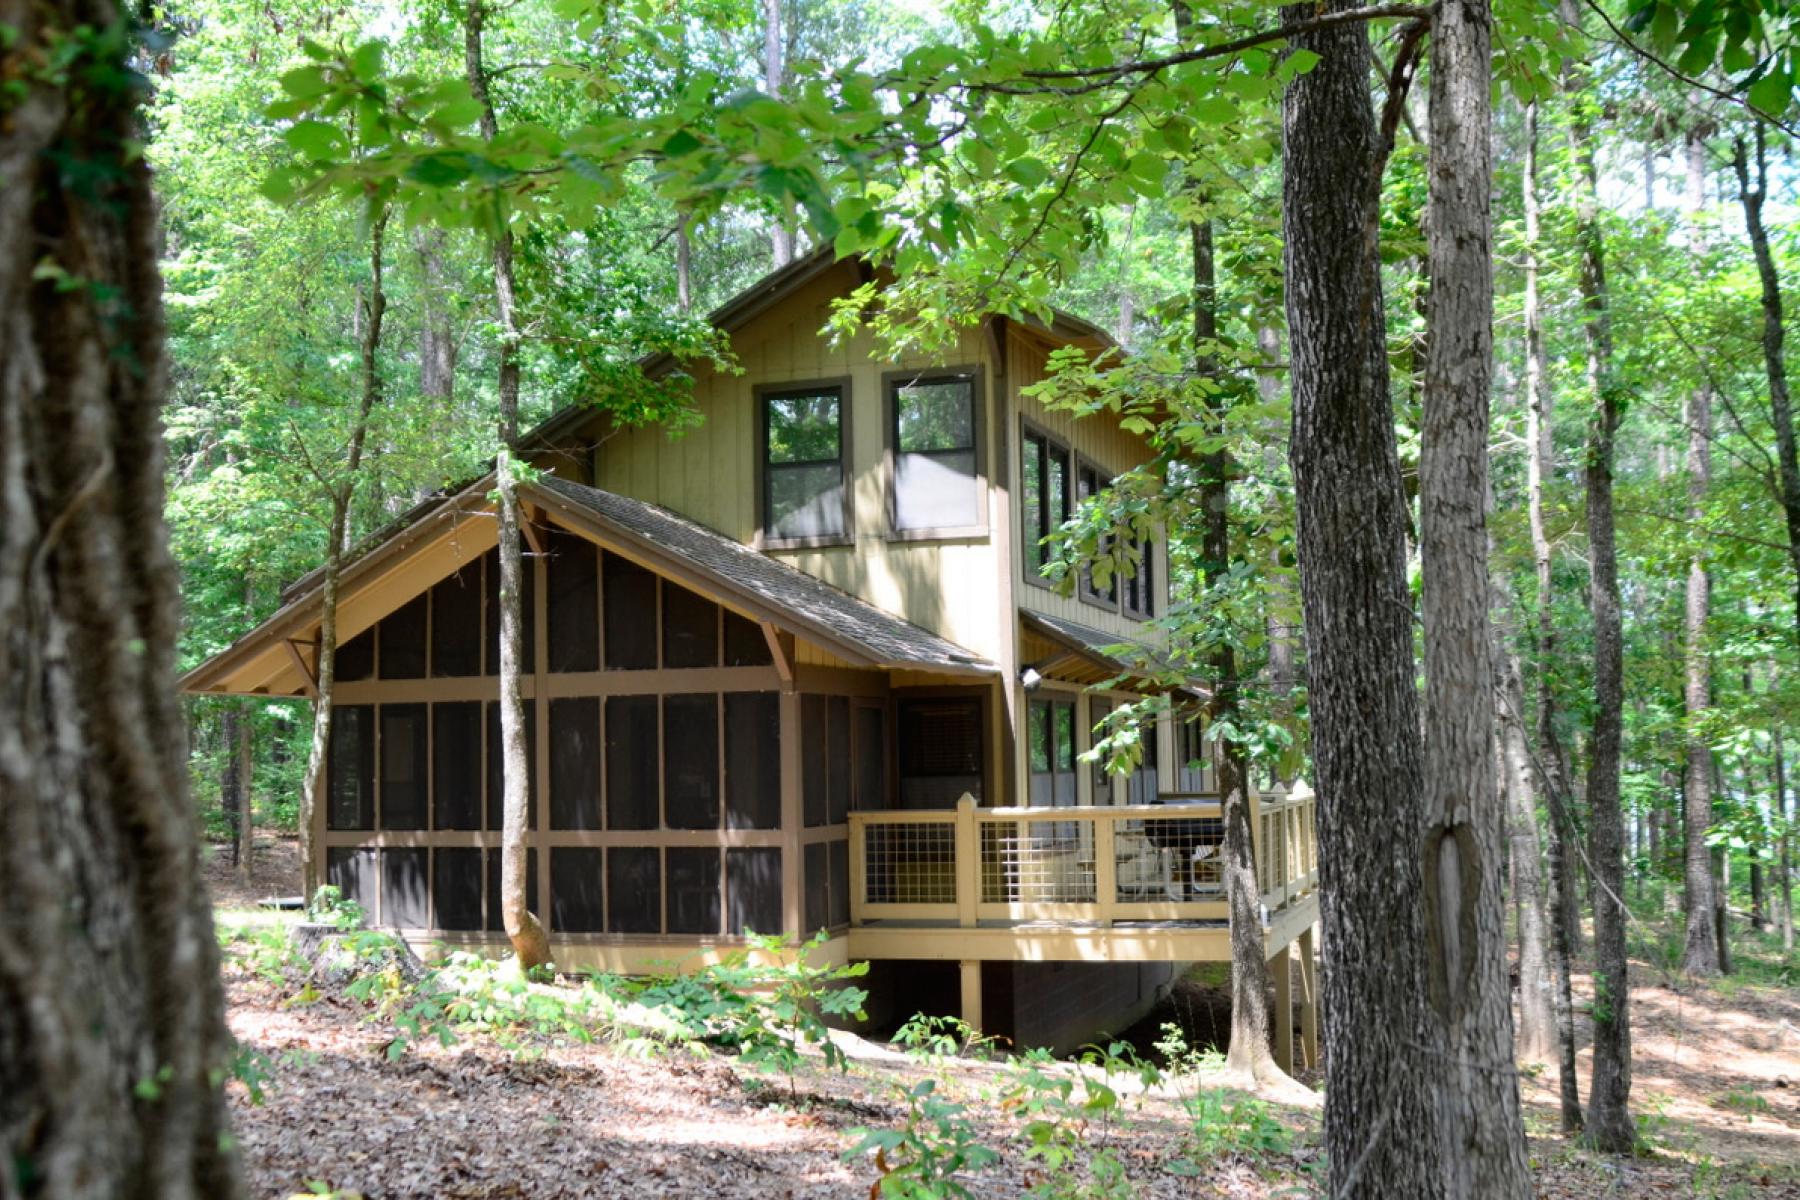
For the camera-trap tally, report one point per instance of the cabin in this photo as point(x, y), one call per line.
point(797, 668)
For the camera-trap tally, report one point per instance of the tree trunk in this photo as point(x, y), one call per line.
point(231, 792)
point(112, 1031)
point(523, 929)
point(1565, 925)
point(1610, 1126)
point(1461, 858)
point(1537, 991)
point(1781, 411)
point(781, 237)
point(1700, 953)
point(1248, 1051)
point(684, 264)
point(437, 335)
point(1784, 866)
point(1380, 1109)
point(246, 757)
point(337, 535)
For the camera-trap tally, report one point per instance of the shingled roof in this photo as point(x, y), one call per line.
point(788, 597)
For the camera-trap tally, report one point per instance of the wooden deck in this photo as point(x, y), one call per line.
point(1086, 884)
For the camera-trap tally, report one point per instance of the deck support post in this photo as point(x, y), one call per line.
point(1281, 968)
point(967, 864)
point(971, 993)
point(1309, 992)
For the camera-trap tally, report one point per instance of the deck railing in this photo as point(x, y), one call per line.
point(969, 865)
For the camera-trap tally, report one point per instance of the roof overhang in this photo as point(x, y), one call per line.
point(1076, 653)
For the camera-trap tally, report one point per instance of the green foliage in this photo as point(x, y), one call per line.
point(329, 906)
point(785, 1000)
point(1069, 1112)
point(922, 1158)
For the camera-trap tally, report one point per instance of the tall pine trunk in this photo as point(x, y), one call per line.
point(341, 491)
point(1781, 409)
point(112, 1030)
point(1351, 532)
point(437, 334)
point(523, 929)
point(781, 236)
point(1537, 988)
point(1610, 1126)
point(1700, 953)
point(1784, 865)
point(1248, 1050)
point(1565, 924)
point(245, 750)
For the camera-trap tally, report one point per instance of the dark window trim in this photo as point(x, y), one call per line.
point(1084, 589)
point(890, 387)
point(1147, 555)
point(1029, 429)
point(762, 393)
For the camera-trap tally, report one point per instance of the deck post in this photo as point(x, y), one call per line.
point(971, 993)
point(1309, 993)
point(1106, 868)
point(1280, 967)
point(968, 866)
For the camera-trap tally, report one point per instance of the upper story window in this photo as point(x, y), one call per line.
point(805, 469)
point(1044, 496)
point(1090, 481)
point(1139, 591)
point(934, 436)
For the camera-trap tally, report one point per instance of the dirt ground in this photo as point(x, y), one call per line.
point(274, 872)
point(1716, 1086)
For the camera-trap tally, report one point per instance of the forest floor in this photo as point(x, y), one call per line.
point(1716, 1087)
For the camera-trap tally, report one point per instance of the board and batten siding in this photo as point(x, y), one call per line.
point(1099, 439)
point(709, 473)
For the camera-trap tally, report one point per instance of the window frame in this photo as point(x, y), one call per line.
point(891, 383)
point(1028, 430)
point(1085, 590)
point(763, 393)
point(1145, 577)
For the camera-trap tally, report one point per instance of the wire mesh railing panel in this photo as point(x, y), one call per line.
point(1037, 862)
point(1171, 858)
point(909, 863)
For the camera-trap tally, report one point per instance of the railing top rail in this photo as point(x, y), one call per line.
point(1079, 812)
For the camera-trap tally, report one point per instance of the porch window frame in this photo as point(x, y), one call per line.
point(763, 394)
point(1085, 591)
point(891, 383)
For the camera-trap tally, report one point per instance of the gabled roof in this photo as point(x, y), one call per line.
point(770, 589)
point(700, 558)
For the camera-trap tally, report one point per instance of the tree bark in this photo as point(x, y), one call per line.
point(437, 335)
point(1700, 953)
point(1781, 410)
point(1565, 925)
point(1351, 532)
point(246, 758)
point(1460, 854)
point(526, 933)
point(231, 792)
point(1248, 1050)
point(781, 237)
point(684, 265)
point(341, 493)
point(1610, 1125)
point(112, 1030)
point(1537, 989)
point(1784, 865)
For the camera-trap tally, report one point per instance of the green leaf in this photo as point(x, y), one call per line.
point(1027, 172)
point(315, 140)
point(1299, 62)
point(439, 170)
point(365, 64)
point(305, 83)
point(1771, 92)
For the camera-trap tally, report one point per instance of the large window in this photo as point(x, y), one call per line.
point(934, 436)
point(805, 495)
point(1140, 588)
point(1052, 753)
point(1090, 481)
point(1043, 496)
